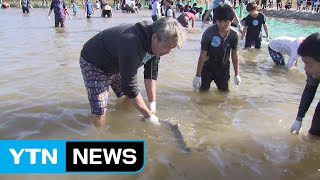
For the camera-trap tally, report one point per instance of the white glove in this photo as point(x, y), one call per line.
point(196, 82)
point(70, 17)
point(152, 107)
point(153, 119)
point(296, 126)
point(49, 18)
point(237, 80)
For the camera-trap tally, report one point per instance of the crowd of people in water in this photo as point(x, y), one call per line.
point(131, 46)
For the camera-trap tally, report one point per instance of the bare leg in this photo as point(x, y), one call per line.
point(98, 120)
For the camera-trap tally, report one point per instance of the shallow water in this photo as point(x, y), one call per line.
point(240, 135)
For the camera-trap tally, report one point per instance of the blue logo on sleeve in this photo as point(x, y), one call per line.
point(255, 22)
point(216, 41)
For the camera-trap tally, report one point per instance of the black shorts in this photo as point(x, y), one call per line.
point(106, 12)
point(25, 9)
point(252, 40)
point(220, 76)
point(154, 18)
point(58, 21)
point(277, 57)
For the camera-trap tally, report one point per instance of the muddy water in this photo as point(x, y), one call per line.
point(240, 135)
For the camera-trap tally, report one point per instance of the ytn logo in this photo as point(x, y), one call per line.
point(32, 152)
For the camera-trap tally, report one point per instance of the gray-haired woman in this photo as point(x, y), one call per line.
point(112, 58)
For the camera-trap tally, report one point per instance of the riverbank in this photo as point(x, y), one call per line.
point(292, 14)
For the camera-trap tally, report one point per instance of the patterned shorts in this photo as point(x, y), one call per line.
point(276, 57)
point(97, 84)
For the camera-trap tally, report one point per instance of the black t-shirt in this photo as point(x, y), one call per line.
point(173, 13)
point(218, 48)
point(194, 10)
point(254, 24)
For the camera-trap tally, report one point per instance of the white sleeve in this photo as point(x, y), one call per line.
point(292, 60)
point(158, 5)
point(169, 13)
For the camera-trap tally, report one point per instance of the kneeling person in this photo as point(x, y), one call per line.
point(285, 45)
point(106, 10)
point(184, 19)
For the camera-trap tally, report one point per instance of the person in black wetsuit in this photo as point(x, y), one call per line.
point(310, 55)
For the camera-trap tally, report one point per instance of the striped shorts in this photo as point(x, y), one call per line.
point(97, 85)
point(277, 57)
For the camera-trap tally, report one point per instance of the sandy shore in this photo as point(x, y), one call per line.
point(292, 14)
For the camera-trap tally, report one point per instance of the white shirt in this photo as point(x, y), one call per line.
point(287, 45)
point(169, 13)
point(98, 5)
point(216, 3)
point(132, 3)
point(155, 8)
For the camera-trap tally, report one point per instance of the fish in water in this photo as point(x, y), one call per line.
point(178, 137)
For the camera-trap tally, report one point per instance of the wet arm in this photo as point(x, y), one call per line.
point(237, 20)
point(244, 32)
point(150, 78)
point(151, 85)
point(266, 29)
point(306, 100)
point(292, 61)
point(50, 10)
point(201, 60)
point(235, 61)
point(139, 104)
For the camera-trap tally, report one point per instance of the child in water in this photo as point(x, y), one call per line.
point(253, 24)
point(74, 8)
point(217, 43)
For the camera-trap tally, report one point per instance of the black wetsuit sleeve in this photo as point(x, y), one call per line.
point(306, 100)
point(234, 44)
point(51, 6)
point(205, 41)
point(151, 68)
point(263, 19)
point(129, 62)
point(247, 21)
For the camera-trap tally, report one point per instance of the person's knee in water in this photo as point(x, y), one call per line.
point(217, 44)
